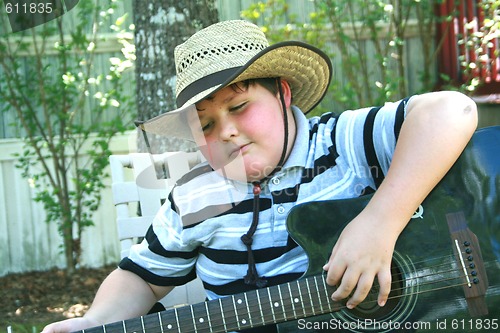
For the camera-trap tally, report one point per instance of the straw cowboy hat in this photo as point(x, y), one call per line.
point(231, 51)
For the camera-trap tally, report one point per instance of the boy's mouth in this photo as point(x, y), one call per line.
point(240, 149)
point(245, 148)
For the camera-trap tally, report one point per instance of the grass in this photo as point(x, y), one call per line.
point(24, 328)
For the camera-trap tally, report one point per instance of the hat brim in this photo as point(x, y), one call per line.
point(307, 69)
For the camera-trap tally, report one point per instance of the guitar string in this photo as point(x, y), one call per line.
point(452, 269)
point(429, 274)
point(451, 259)
point(412, 265)
point(430, 268)
point(455, 270)
point(254, 310)
point(425, 261)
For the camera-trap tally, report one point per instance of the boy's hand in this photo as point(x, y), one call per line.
point(363, 251)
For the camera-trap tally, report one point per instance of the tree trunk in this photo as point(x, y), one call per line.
point(159, 27)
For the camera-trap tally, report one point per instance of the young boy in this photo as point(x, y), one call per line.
point(243, 103)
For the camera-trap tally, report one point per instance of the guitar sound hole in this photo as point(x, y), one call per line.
point(400, 303)
point(369, 307)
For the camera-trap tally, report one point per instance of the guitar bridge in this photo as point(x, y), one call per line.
point(468, 255)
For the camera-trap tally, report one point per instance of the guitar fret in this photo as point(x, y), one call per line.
point(267, 307)
point(124, 326)
point(248, 310)
point(292, 301)
point(310, 298)
point(325, 288)
point(193, 317)
point(215, 316)
point(289, 306)
point(150, 323)
point(135, 325)
point(161, 323)
point(201, 320)
point(271, 304)
point(208, 317)
point(243, 315)
point(168, 320)
point(186, 322)
point(260, 307)
point(282, 302)
point(177, 320)
point(319, 296)
point(222, 314)
point(236, 311)
point(301, 298)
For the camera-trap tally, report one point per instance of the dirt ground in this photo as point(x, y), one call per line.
point(42, 297)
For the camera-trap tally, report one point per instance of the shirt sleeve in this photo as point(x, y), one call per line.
point(366, 138)
point(164, 257)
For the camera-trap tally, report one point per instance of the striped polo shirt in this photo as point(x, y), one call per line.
point(197, 231)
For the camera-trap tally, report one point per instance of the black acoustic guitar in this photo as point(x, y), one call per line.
point(445, 269)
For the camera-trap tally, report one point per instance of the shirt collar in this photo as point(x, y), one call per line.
point(298, 155)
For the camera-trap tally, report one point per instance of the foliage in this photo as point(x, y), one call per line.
point(479, 46)
point(368, 39)
point(365, 36)
point(25, 328)
point(65, 110)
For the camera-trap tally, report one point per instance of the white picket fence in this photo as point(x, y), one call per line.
point(27, 243)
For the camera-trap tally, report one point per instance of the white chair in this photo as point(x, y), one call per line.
point(140, 183)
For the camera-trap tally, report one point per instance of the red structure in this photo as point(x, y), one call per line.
point(462, 44)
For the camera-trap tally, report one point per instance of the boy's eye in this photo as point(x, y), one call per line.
point(238, 107)
point(206, 127)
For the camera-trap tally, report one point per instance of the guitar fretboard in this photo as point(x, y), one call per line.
point(290, 301)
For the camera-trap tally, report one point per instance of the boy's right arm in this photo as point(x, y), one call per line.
point(122, 295)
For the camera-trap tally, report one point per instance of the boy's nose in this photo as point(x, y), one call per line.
point(228, 129)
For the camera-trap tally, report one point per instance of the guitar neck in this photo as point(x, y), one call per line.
point(294, 300)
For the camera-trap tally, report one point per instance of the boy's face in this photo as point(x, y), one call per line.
point(240, 131)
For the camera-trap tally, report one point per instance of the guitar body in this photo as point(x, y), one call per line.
point(430, 276)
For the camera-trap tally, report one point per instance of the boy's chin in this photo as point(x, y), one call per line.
point(236, 170)
point(244, 168)
point(239, 175)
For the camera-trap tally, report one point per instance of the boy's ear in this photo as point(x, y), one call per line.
point(287, 92)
